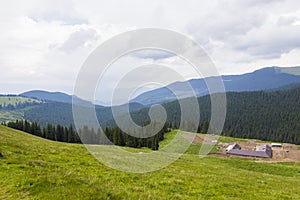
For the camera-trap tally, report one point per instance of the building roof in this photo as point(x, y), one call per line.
point(264, 152)
point(276, 145)
point(233, 146)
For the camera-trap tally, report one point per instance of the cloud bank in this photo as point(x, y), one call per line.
point(44, 43)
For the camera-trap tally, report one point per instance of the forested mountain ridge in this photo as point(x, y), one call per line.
point(15, 107)
point(48, 96)
point(268, 78)
point(266, 115)
point(272, 114)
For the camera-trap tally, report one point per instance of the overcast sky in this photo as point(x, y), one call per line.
point(44, 43)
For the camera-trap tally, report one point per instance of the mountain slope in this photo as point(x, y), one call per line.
point(16, 101)
point(265, 115)
point(52, 111)
point(48, 96)
point(11, 107)
point(35, 168)
point(61, 113)
point(263, 79)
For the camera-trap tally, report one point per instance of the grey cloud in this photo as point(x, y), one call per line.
point(270, 42)
point(286, 20)
point(152, 54)
point(79, 39)
point(225, 24)
point(57, 11)
point(260, 29)
point(256, 3)
point(250, 32)
point(60, 17)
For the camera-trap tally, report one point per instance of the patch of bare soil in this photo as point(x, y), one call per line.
point(193, 138)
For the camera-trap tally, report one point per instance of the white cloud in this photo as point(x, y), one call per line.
point(44, 43)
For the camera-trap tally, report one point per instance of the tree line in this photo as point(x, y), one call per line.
point(51, 132)
point(88, 135)
point(265, 115)
point(120, 138)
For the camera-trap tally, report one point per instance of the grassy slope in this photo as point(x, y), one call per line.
point(12, 115)
point(14, 100)
point(34, 168)
point(8, 116)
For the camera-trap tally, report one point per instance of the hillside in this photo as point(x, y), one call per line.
point(16, 101)
point(48, 96)
point(35, 168)
point(61, 113)
point(11, 107)
point(47, 111)
point(265, 115)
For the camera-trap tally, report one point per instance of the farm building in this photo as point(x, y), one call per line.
point(233, 146)
point(264, 151)
point(276, 145)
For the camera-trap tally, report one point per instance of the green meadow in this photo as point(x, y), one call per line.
point(14, 100)
point(35, 168)
point(7, 115)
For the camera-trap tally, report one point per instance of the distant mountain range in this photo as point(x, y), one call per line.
point(263, 79)
point(56, 107)
point(263, 104)
point(48, 96)
point(54, 97)
point(53, 107)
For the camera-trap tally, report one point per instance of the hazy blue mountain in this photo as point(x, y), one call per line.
point(262, 79)
point(48, 96)
point(61, 113)
point(55, 108)
point(56, 97)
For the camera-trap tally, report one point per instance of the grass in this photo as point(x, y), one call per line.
point(8, 116)
point(226, 139)
point(12, 115)
point(35, 168)
point(193, 148)
point(14, 100)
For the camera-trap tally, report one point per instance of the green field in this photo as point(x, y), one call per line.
point(35, 168)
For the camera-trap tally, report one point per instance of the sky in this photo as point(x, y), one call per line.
point(45, 43)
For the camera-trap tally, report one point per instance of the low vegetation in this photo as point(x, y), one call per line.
point(13, 107)
point(36, 168)
point(12, 102)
